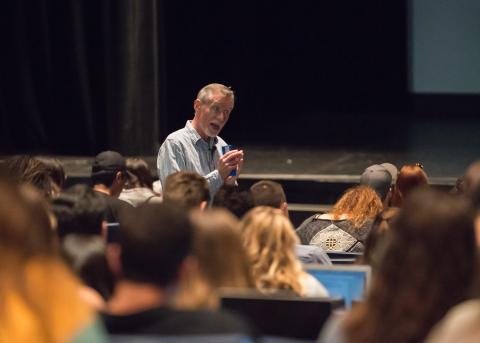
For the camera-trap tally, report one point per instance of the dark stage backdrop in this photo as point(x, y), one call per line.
point(328, 73)
point(80, 76)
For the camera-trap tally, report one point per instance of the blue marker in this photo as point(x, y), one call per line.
point(225, 149)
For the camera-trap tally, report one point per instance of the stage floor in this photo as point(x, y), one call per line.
point(313, 163)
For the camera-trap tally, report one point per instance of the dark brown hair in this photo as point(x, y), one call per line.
point(376, 238)
point(25, 226)
point(33, 171)
point(427, 268)
point(140, 169)
point(268, 193)
point(55, 169)
point(186, 189)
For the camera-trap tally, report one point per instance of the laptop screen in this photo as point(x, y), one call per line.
point(349, 282)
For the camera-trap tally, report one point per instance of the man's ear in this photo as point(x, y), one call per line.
point(120, 176)
point(196, 105)
point(113, 251)
point(284, 208)
point(203, 206)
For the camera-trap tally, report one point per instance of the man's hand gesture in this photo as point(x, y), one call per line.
point(232, 160)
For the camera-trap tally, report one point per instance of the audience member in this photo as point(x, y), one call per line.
point(271, 193)
point(40, 296)
point(230, 198)
point(109, 175)
point(186, 189)
point(86, 255)
point(347, 226)
point(197, 147)
point(376, 239)
point(427, 268)
point(56, 171)
point(380, 178)
point(79, 210)
point(140, 189)
point(409, 178)
point(270, 239)
point(155, 258)
point(222, 260)
point(460, 325)
point(38, 172)
point(82, 230)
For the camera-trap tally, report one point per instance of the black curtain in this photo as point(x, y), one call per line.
point(81, 76)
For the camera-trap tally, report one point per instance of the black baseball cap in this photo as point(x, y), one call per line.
point(108, 162)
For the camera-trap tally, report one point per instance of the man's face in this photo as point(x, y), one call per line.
point(211, 117)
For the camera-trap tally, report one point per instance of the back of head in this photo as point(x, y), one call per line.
point(154, 241)
point(25, 225)
point(222, 260)
point(79, 210)
point(270, 239)
point(55, 170)
point(409, 178)
point(140, 169)
point(24, 169)
point(237, 202)
point(186, 189)
point(218, 247)
point(435, 222)
point(428, 266)
point(85, 254)
point(205, 94)
point(268, 193)
point(377, 177)
point(40, 298)
point(105, 167)
point(359, 203)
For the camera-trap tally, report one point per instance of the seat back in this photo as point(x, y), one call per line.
point(282, 315)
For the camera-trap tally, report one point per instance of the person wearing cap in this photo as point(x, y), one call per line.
point(380, 177)
point(197, 147)
point(109, 175)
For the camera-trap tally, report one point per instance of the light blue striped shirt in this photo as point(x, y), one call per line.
point(185, 150)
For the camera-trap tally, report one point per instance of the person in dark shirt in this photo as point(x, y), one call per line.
point(154, 258)
point(109, 175)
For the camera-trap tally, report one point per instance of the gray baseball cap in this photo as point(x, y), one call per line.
point(379, 178)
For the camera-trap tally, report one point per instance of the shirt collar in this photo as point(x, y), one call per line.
point(195, 136)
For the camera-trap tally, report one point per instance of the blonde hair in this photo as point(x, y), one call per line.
point(359, 204)
point(270, 239)
point(222, 260)
point(205, 94)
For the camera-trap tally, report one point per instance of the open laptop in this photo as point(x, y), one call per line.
point(347, 281)
point(281, 315)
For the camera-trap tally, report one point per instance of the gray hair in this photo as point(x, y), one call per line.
point(205, 94)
